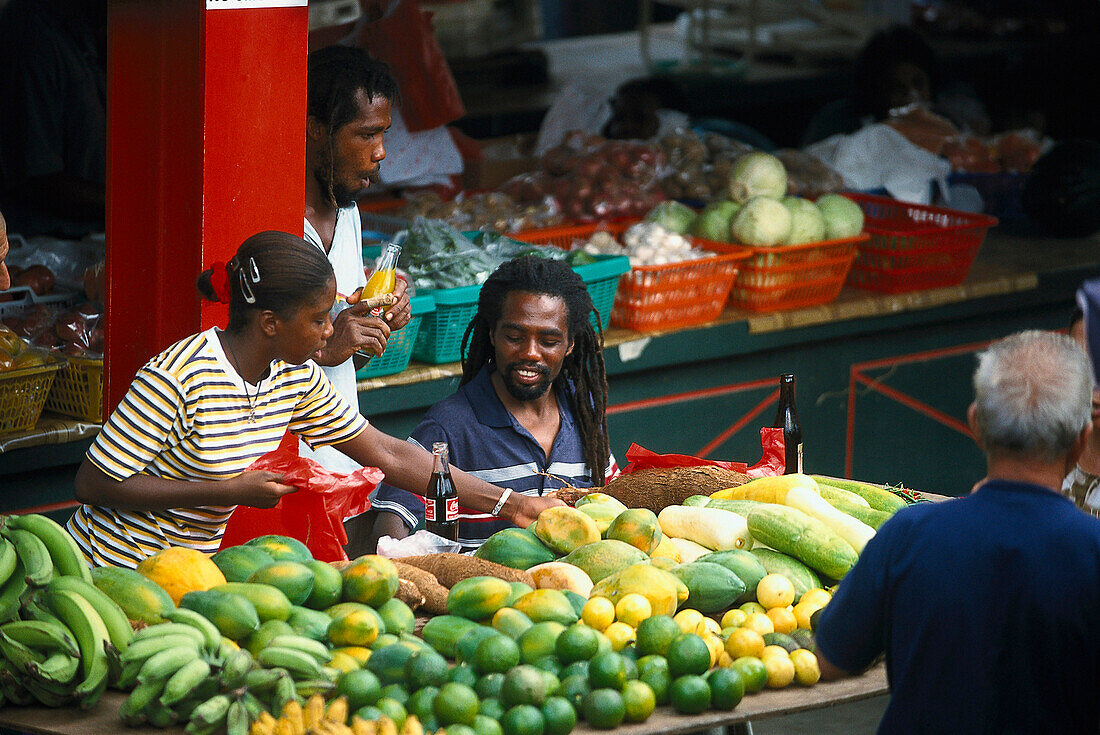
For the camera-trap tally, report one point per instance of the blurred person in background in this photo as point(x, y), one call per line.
point(987, 607)
point(5, 278)
point(1082, 484)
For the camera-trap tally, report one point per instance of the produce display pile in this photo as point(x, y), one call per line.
point(598, 612)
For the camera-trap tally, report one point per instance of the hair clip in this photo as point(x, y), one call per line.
point(246, 290)
point(254, 272)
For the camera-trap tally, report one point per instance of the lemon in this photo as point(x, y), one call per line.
point(804, 611)
point(807, 672)
point(724, 660)
point(744, 642)
point(783, 619)
point(598, 613)
point(620, 634)
point(780, 670)
point(688, 620)
point(774, 650)
point(709, 626)
point(632, 609)
point(716, 646)
point(734, 618)
point(759, 622)
point(752, 607)
point(775, 590)
point(816, 595)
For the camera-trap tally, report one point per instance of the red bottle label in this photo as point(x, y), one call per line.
point(429, 509)
point(452, 509)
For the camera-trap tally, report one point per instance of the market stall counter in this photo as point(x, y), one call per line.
point(763, 705)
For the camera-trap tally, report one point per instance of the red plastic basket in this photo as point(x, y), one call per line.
point(652, 297)
point(792, 276)
point(915, 246)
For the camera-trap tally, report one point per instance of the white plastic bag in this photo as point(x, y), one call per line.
point(420, 543)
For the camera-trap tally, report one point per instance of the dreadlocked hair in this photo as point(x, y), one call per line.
point(334, 76)
point(582, 373)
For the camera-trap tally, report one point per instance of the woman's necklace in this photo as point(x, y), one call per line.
point(252, 400)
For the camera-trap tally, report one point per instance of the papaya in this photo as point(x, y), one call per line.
point(328, 585)
point(711, 587)
point(602, 513)
point(661, 588)
point(663, 562)
point(282, 548)
point(746, 565)
point(666, 550)
point(308, 622)
point(478, 598)
point(604, 557)
point(239, 562)
point(602, 498)
point(139, 597)
point(543, 606)
point(270, 602)
point(468, 642)
point(260, 638)
point(776, 562)
point(388, 662)
point(563, 529)
point(518, 548)
point(397, 616)
point(442, 632)
point(234, 615)
point(519, 589)
point(576, 600)
point(370, 579)
point(359, 626)
point(559, 575)
point(511, 622)
point(638, 527)
point(292, 578)
point(179, 570)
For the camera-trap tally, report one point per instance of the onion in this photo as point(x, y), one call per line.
point(757, 174)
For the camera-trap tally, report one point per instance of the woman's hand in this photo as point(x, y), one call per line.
point(257, 489)
point(354, 329)
point(398, 315)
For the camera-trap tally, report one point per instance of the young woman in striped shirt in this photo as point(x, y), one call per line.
point(170, 464)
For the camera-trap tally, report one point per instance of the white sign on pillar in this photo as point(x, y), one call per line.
point(224, 4)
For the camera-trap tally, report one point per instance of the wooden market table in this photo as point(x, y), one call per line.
point(762, 705)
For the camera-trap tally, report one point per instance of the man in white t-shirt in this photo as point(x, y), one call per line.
point(348, 105)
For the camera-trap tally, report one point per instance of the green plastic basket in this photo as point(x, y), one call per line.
point(440, 337)
point(399, 348)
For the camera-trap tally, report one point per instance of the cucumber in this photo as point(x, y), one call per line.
point(854, 505)
point(740, 507)
point(876, 497)
point(807, 539)
point(775, 562)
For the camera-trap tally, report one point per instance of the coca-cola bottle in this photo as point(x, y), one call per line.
point(786, 418)
point(441, 498)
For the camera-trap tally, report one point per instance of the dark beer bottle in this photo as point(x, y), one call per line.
point(786, 418)
point(441, 499)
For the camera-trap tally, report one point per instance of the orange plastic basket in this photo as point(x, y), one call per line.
point(915, 246)
point(793, 276)
point(652, 297)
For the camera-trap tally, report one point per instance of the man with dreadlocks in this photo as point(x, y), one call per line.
point(530, 410)
point(348, 102)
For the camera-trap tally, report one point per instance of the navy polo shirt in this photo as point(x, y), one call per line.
point(988, 610)
point(485, 440)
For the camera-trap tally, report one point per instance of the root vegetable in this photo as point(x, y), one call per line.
point(450, 568)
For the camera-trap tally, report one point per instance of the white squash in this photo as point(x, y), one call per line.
point(560, 575)
point(855, 532)
point(716, 529)
point(689, 550)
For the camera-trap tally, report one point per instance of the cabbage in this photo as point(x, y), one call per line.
point(713, 223)
point(672, 215)
point(807, 223)
point(843, 217)
point(757, 174)
point(763, 221)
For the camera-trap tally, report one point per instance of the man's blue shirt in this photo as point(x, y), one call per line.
point(988, 610)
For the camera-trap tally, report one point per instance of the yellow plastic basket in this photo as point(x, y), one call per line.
point(78, 390)
point(23, 395)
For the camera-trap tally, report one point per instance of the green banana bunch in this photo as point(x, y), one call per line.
point(92, 637)
point(32, 552)
point(66, 558)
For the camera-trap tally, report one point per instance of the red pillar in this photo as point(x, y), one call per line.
point(206, 146)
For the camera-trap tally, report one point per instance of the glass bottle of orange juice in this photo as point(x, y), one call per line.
point(384, 277)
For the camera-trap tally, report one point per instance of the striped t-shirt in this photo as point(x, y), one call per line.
point(486, 441)
point(186, 417)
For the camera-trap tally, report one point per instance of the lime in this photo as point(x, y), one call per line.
point(655, 674)
point(577, 667)
point(524, 684)
point(605, 643)
point(688, 654)
point(463, 674)
point(370, 712)
point(420, 703)
point(607, 670)
point(575, 688)
point(523, 719)
point(598, 612)
point(655, 635)
point(489, 685)
point(604, 708)
point(486, 726)
point(496, 654)
point(630, 665)
point(455, 704)
point(491, 708)
point(393, 709)
point(426, 668)
point(539, 640)
point(577, 643)
point(689, 694)
point(553, 683)
point(726, 688)
point(430, 724)
point(397, 692)
point(638, 701)
point(558, 715)
point(361, 687)
point(752, 607)
point(548, 663)
point(752, 671)
point(459, 729)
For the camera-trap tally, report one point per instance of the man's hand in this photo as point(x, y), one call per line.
point(355, 329)
point(258, 489)
point(523, 510)
point(398, 315)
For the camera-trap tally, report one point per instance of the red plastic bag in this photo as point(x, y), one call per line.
point(771, 463)
point(405, 41)
point(315, 514)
